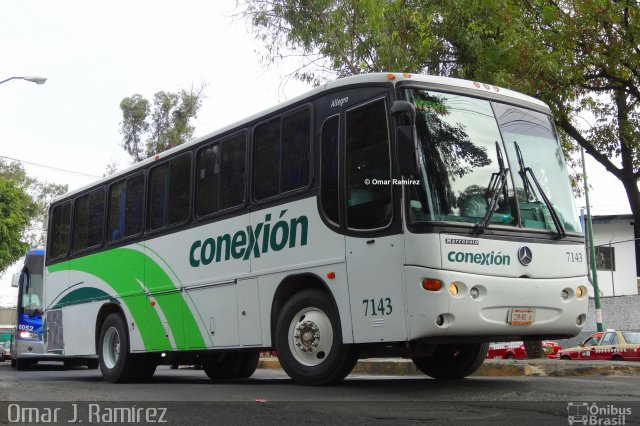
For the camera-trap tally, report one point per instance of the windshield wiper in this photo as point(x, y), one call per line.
point(527, 188)
point(497, 185)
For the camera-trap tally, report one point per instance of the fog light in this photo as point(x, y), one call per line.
point(579, 320)
point(439, 320)
point(564, 294)
point(474, 293)
point(453, 289)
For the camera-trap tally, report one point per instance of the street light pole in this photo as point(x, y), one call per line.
point(592, 249)
point(37, 80)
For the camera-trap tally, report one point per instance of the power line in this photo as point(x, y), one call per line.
point(72, 172)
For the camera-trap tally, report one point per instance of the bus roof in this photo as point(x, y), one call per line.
point(35, 252)
point(374, 78)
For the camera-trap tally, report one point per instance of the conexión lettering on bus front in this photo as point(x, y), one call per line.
point(479, 258)
point(256, 240)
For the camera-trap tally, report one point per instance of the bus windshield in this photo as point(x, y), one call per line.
point(31, 286)
point(465, 164)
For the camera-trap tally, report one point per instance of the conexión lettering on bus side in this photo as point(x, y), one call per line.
point(258, 239)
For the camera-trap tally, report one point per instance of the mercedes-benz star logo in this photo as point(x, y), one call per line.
point(524, 255)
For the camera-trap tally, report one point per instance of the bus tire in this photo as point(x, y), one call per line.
point(23, 364)
point(226, 368)
point(453, 361)
point(308, 340)
point(249, 364)
point(116, 363)
point(146, 365)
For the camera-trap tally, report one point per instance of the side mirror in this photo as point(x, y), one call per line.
point(405, 137)
point(15, 280)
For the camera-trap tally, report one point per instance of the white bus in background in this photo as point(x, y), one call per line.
point(377, 215)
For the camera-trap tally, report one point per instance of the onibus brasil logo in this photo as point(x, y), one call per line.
point(253, 240)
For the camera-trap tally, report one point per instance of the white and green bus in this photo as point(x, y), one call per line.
point(377, 215)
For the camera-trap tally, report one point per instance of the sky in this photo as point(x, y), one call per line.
point(95, 53)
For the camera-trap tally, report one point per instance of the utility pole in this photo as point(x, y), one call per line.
point(592, 249)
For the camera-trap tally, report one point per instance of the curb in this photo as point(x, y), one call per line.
point(492, 368)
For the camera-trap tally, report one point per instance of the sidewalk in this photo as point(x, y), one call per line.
point(494, 367)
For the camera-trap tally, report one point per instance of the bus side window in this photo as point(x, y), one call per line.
point(368, 167)
point(88, 220)
point(125, 208)
point(296, 148)
point(170, 193)
point(220, 181)
point(329, 195)
point(60, 231)
point(282, 154)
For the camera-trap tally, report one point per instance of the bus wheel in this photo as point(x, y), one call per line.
point(249, 364)
point(23, 364)
point(309, 342)
point(453, 361)
point(146, 365)
point(116, 363)
point(226, 368)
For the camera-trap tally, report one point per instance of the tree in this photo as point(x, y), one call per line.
point(23, 208)
point(17, 210)
point(582, 57)
point(148, 129)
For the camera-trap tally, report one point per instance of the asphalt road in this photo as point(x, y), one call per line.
point(270, 397)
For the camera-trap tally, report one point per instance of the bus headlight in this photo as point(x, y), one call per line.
point(28, 335)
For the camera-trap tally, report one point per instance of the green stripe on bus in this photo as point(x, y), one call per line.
point(123, 279)
point(81, 295)
point(174, 307)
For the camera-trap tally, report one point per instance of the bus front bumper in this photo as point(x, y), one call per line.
point(488, 308)
point(30, 349)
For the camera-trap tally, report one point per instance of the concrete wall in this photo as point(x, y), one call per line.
point(622, 281)
point(7, 316)
point(619, 312)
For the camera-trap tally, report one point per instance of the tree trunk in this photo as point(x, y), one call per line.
point(534, 349)
point(631, 188)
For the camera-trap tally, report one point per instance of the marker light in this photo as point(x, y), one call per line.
point(453, 289)
point(431, 284)
point(391, 76)
point(331, 275)
point(580, 291)
point(406, 75)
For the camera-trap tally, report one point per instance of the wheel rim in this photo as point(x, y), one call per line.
point(310, 336)
point(111, 347)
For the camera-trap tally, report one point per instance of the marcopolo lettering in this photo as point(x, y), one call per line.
point(492, 258)
point(254, 240)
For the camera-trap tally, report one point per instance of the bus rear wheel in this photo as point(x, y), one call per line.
point(116, 363)
point(308, 340)
point(233, 365)
point(453, 361)
point(226, 368)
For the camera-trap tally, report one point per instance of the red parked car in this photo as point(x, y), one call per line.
point(609, 345)
point(516, 350)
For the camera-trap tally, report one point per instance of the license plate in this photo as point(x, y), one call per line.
point(521, 316)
